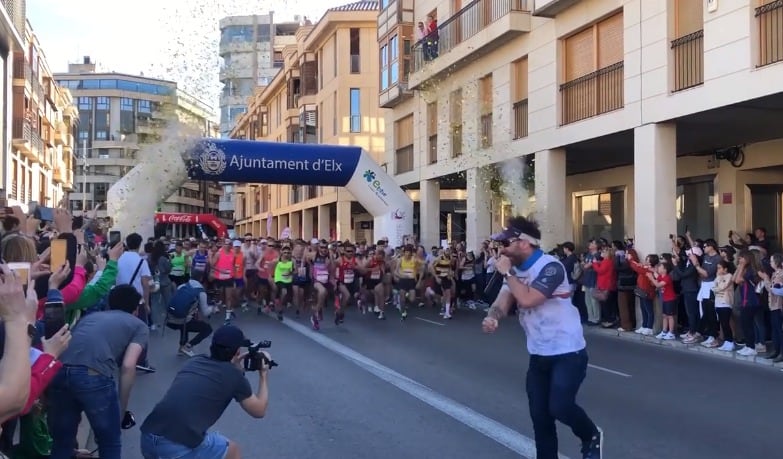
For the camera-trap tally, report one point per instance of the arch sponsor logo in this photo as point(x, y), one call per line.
point(374, 183)
point(213, 160)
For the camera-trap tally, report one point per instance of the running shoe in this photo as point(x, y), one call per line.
point(314, 322)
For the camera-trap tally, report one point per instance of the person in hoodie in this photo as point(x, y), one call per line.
point(685, 272)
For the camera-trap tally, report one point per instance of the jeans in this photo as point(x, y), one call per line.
point(709, 322)
point(154, 446)
point(593, 306)
point(609, 309)
point(776, 323)
point(748, 319)
point(552, 385)
point(78, 389)
point(692, 310)
point(724, 317)
point(201, 328)
point(648, 312)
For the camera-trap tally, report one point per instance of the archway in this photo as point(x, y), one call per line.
point(248, 161)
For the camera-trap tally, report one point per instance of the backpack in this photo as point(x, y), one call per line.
point(182, 301)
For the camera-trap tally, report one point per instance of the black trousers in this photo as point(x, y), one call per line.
point(199, 327)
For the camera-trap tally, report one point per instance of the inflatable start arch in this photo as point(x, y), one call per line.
point(249, 161)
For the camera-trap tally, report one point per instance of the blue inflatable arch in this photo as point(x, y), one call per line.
point(250, 161)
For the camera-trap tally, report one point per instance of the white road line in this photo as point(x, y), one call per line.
point(430, 321)
point(494, 430)
point(609, 370)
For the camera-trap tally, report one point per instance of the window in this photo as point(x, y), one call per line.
point(356, 110)
point(519, 71)
point(84, 103)
point(593, 64)
point(277, 60)
point(485, 118)
point(455, 122)
point(355, 54)
point(695, 209)
point(403, 145)
point(688, 44)
point(384, 67)
point(145, 106)
point(600, 214)
point(384, 4)
point(394, 58)
point(432, 132)
point(334, 113)
point(263, 32)
point(127, 117)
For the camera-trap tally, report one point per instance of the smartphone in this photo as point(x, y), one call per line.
point(58, 254)
point(114, 238)
point(54, 318)
point(45, 214)
point(22, 271)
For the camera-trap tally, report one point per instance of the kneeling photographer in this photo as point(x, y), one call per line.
point(199, 395)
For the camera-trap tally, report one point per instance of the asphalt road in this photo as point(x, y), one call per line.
point(428, 388)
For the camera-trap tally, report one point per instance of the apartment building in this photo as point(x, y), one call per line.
point(12, 21)
point(40, 163)
point(638, 118)
point(326, 93)
point(118, 115)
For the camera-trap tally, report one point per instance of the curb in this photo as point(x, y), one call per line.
point(679, 345)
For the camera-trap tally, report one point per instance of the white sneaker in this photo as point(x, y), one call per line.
point(639, 331)
point(707, 342)
point(747, 352)
point(186, 350)
point(648, 332)
point(669, 336)
point(660, 335)
point(727, 346)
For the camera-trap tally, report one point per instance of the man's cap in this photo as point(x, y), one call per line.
point(237, 243)
point(230, 337)
point(314, 241)
point(507, 234)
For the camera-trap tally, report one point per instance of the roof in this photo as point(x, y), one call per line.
point(357, 6)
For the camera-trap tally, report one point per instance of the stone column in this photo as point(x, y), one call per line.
point(551, 197)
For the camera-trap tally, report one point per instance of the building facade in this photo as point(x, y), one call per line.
point(118, 115)
point(12, 27)
point(638, 118)
point(326, 92)
point(40, 164)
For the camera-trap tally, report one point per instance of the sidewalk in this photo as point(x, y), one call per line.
point(677, 344)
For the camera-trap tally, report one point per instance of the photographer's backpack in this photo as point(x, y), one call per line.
point(183, 301)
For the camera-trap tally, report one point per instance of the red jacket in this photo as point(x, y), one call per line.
point(42, 372)
point(642, 281)
point(607, 278)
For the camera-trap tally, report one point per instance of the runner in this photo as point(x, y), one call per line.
point(323, 270)
point(223, 272)
point(301, 284)
point(373, 280)
point(239, 273)
point(251, 254)
point(348, 282)
point(199, 265)
point(265, 275)
point(179, 265)
point(407, 275)
point(444, 275)
point(284, 277)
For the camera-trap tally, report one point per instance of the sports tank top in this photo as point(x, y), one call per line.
point(239, 265)
point(300, 271)
point(321, 269)
point(284, 271)
point(224, 266)
point(347, 270)
point(443, 268)
point(375, 270)
point(199, 262)
point(408, 268)
point(178, 265)
point(268, 258)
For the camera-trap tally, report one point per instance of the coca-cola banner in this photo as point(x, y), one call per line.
point(192, 219)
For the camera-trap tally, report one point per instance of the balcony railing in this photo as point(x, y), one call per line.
point(593, 94)
point(688, 60)
point(520, 119)
point(22, 69)
point(432, 149)
point(466, 23)
point(38, 145)
point(17, 12)
point(770, 19)
point(456, 140)
point(485, 123)
point(403, 160)
point(22, 129)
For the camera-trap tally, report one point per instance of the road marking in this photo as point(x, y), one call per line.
point(609, 370)
point(492, 429)
point(430, 321)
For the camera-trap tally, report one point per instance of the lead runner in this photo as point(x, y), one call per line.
point(538, 284)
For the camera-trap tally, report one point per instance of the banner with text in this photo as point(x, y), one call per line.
point(351, 167)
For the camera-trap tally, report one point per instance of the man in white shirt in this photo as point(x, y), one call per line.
point(134, 270)
point(538, 284)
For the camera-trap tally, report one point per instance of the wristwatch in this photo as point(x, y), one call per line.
point(32, 332)
point(510, 273)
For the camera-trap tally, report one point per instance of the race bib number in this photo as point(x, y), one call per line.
point(322, 277)
point(407, 273)
point(375, 275)
point(301, 272)
point(348, 276)
point(467, 275)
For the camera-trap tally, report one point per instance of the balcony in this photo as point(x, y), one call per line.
point(551, 8)
point(234, 100)
point(770, 23)
point(38, 90)
point(23, 72)
point(58, 175)
point(238, 46)
point(520, 119)
point(23, 136)
point(593, 94)
point(688, 61)
point(395, 94)
point(39, 153)
point(68, 180)
point(60, 133)
point(476, 29)
point(124, 144)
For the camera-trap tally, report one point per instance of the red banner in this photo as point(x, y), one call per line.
point(193, 219)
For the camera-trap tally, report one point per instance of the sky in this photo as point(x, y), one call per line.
point(172, 39)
